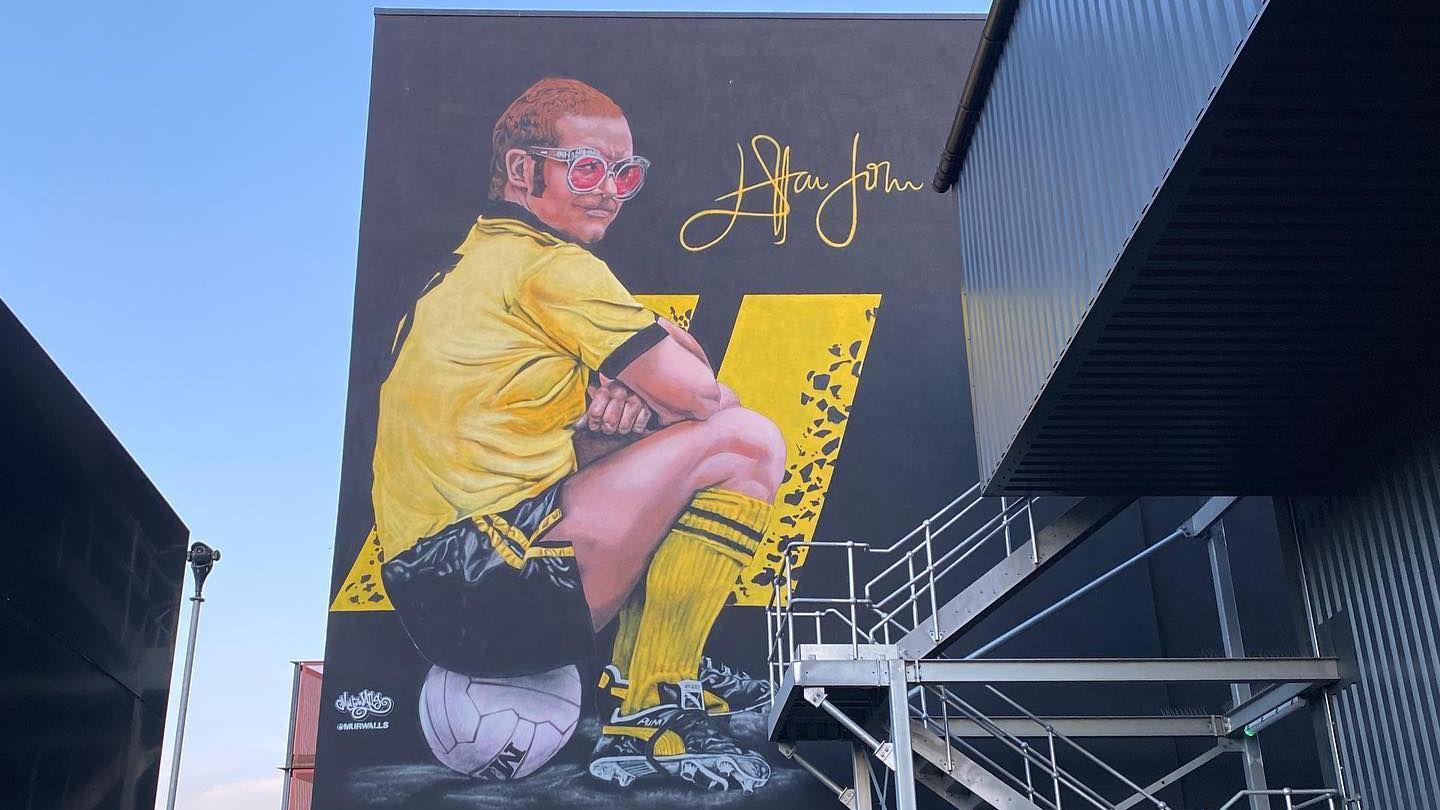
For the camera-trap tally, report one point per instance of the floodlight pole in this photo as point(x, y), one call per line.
point(202, 558)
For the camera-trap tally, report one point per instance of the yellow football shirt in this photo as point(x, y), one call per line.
point(475, 415)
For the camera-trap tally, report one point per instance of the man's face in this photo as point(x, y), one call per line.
point(583, 217)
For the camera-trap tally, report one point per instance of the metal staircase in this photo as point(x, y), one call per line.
point(868, 665)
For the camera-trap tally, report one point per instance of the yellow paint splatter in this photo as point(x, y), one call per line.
point(797, 359)
point(679, 309)
point(363, 590)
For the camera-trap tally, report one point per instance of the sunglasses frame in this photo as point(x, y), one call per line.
point(572, 156)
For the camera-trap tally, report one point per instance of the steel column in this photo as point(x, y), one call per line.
point(1290, 541)
point(1233, 639)
point(860, 767)
point(900, 736)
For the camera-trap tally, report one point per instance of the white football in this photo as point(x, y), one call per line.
point(499, 729)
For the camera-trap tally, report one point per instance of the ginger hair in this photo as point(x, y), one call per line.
point(530, 121)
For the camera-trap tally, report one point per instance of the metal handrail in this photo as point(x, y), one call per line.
point(974, 542)
point(782, 640)
point(1320, 794)
point(985, 722)
point(988, 530)
point(1023, 508)
point(994, 767)
point(1049, 729)
point(947, 561)
point(918, 593)
point(785, 609)
point(972, 492)
point(1027, 751)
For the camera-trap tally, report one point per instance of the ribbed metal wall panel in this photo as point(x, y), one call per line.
point(1089, 106)
point(1374, 557)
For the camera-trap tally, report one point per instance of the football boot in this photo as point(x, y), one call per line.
point(726, 690)
point(676, 739)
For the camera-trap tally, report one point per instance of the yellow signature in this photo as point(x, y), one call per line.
point(781, 182)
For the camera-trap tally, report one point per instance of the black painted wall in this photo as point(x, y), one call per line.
point(89, 596)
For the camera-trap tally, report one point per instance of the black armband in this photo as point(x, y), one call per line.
point(634, 346)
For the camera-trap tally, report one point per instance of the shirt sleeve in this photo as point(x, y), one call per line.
point(575, 299)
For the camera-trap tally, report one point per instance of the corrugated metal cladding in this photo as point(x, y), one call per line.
point(1089, 104)
point(1272, 320)
point(1373, 567)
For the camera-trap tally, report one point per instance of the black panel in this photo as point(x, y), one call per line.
point(89, 596)
point(692, 87)
point(74, 737)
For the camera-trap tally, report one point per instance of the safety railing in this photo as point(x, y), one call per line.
point(917, 574)
point(1044, 760)
point(1294, 799)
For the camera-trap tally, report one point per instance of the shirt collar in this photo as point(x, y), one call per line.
point(505, 209)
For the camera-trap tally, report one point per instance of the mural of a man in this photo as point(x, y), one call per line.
point(503, 556)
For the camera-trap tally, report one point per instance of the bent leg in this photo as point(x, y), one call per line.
point(618, 509)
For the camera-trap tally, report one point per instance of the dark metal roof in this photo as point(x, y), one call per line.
point(1272, 323)
point(42, 404)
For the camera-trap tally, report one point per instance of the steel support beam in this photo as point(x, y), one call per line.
point(991, 590)
point(844, 794)
point(1179, 773)
point(899, 699)
point(1209, 726)
point(1198, 524)
point(804, 674)
point(1263, 702)
point(862, 798)
point(790, 691)
point(1207, 515)
point(1308, 672)
point(1126, 670)
point(1233, 640)
point(853, 727)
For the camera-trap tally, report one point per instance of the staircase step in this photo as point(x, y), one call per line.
point(963, 782)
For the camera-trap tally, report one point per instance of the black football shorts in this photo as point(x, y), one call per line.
point(490, 596)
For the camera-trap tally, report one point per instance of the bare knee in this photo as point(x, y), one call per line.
point(746, 446)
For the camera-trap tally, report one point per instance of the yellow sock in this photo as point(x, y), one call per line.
point(629, 625)
point(690, 577)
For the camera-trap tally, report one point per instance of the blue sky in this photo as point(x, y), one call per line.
point(179, 203)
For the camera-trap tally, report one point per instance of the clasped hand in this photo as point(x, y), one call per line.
point(615, 409)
